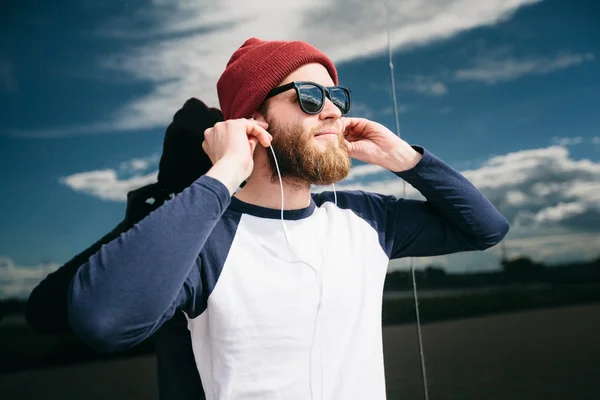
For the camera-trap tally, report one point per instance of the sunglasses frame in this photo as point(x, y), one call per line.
point(325, 92)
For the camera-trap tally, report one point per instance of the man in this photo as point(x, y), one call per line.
point(282, 294)
point(182, 162)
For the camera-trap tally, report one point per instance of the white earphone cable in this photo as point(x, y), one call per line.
point(319, 280)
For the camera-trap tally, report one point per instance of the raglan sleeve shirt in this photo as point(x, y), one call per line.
point(135, 283)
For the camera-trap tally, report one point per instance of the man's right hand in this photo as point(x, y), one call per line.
point(230, 146)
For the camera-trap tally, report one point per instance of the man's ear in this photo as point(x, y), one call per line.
point(258, 116)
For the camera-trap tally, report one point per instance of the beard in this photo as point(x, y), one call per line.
point(301, 161)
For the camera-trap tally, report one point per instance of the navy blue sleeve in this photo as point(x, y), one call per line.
point(455, 216)
point(47, 303)
point(136, 282)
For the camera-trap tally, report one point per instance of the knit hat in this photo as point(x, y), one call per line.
point(183, 159)
point(259, 66)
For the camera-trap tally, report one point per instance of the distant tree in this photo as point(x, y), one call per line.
point(523, 270)
point(435, 274)
point(397, 280)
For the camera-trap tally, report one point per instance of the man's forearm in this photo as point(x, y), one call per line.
point(47, 304)
point(128, 288)
point(457, 200)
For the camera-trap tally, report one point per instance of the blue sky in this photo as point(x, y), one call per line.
point(508, 95)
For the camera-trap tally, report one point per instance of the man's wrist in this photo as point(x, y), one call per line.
point(226, 173)
point(404, 157)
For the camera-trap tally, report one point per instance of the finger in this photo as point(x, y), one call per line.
point(265, 126)
point(253, 142)
point(350, 121)
point(349, 145)
point(265, 138)
point(262, 124)
point(351, 148)
point(355, 128)
point(349, 124)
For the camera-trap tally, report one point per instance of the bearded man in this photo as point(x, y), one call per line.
point(281, 287)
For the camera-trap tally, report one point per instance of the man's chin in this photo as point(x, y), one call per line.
point(327, 138)
point(330, 180)
point(334, 147)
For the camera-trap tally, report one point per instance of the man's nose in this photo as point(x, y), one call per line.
point(330, 110)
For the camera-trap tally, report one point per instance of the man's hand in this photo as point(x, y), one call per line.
point(230, 146)
point(373, 143)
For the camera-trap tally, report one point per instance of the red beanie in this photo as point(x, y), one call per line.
point(259, 66)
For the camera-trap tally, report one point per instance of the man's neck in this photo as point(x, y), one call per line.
point(264, 193)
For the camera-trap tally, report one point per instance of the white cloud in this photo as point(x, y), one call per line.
point(361, 110)
point(106, 185)
point(17, 282)
point(596, 140)
point(542, 189)
point(556, 248)
point(567, 141)
point(114, 184)
point(515, 197)
point(426, 85)
point(560, 211)
point(74, 130)
point(551, 249)
point(498, 66)
point(189, 43)
point(402, 108)
point(139, 164)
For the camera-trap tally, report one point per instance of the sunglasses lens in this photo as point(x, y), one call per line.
point(311, 98)
point(340, 98)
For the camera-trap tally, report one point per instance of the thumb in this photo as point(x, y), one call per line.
point(252, 141)
point(350, 146)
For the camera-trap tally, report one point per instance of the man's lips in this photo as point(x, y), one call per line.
point(324, 133)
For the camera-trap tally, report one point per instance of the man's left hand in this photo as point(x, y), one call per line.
point(373, 143)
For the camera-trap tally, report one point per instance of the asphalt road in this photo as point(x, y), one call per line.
point(541, 354)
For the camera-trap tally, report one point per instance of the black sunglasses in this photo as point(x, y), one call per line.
point(311, 96)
